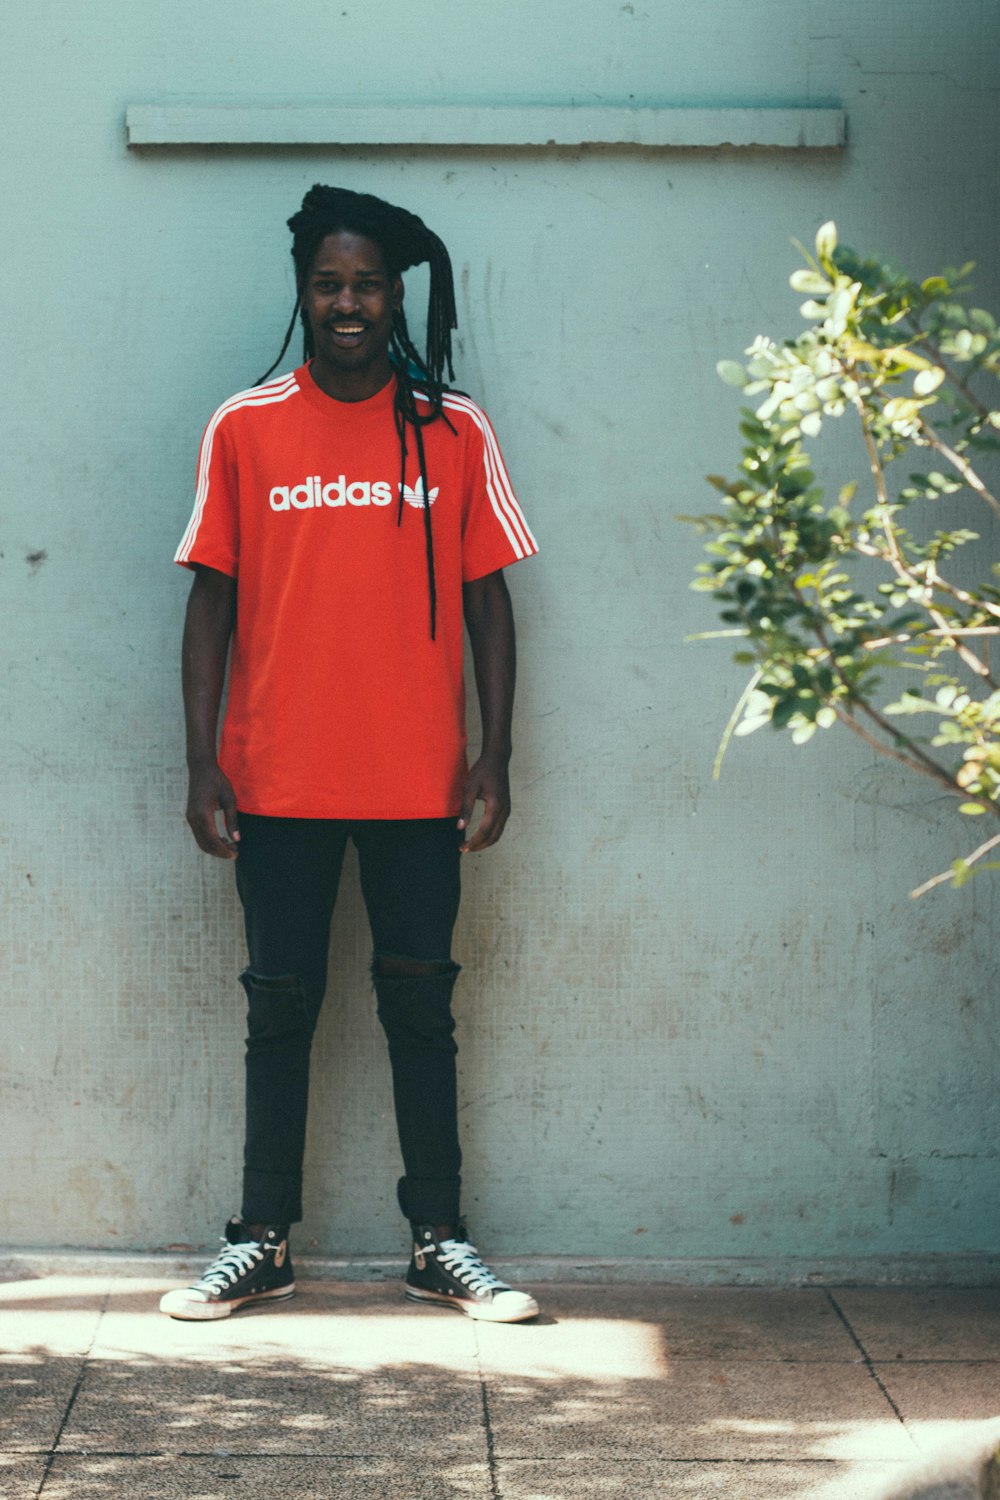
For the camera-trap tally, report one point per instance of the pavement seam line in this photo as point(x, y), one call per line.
point(50, 1459)
point(491, 1458)
point(868, 1361)
point(223, 1458)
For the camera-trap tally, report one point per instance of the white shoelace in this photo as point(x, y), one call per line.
point(228, 1267)
point(462, 1260)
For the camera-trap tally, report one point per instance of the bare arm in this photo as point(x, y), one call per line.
point(489, 620)
point(208, 626)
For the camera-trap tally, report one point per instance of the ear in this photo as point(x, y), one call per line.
point(396, 293)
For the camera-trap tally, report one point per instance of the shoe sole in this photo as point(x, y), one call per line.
point(482, 1311)
point(208, 1312)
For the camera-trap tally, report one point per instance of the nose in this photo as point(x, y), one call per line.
point(345, 301)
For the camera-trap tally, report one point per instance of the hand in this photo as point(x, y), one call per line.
point(208, 792)
point(487, 783)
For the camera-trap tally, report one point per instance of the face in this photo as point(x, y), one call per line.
point(349, 298)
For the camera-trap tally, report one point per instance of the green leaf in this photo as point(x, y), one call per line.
point(935, 286)
point(826, 240)
point(749, 726)
point(971, 809)
point(927, 381)
point(810, 282)
point(732, 373)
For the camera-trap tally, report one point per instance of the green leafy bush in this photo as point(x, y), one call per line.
point(828, 594)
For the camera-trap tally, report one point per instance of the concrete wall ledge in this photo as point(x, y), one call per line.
point(904, 1270)
point(232, 124)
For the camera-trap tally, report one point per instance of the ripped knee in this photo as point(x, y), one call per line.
point(277, 1009)
point(414, 1001)
point(394, 966)
point(270, 982)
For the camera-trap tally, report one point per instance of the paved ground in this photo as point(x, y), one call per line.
point(349, 1392)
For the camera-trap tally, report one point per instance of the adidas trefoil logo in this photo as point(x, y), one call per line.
point(316, 494)
point(416, 495)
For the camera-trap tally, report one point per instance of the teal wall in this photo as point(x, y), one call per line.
point(696, 1019)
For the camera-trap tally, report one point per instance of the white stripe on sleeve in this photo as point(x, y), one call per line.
point(262, 395)
point(498, 486)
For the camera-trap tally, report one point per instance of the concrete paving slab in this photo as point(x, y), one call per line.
point(171, 1478)
point(681, 1323)
point(348, 1390)
point(346, 1325)
point(700, 1410)
point(939, 1400)
point(35, 1390)
point(270, 1405)
point(618, 1479)
point(932, 1323)
point(21, 1475)
point(59, 1314)
point(954, 1469)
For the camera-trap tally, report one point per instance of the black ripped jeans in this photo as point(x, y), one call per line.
point(287, 875)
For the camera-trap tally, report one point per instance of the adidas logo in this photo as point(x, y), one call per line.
point(416, 495)
point(314, 494)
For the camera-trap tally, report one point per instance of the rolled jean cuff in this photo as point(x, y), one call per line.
point(270, 1198)
point(430, 1200)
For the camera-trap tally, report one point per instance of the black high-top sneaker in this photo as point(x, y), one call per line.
point(451, 1273)
point(247, 1270)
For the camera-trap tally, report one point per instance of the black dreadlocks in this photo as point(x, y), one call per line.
point(404, 241)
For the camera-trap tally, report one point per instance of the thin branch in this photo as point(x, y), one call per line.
point(927, 762)
point(969, 859)
point(954, 592)
point(963, 466)
point(922, 635)
point(718, 635)
point(963, 653)
point(891, 751)
point(734, 719)
point(902, 569)
point(974, 663)
point(878, 474)
point(917, 760)
point(957, 380)
point(865, 549)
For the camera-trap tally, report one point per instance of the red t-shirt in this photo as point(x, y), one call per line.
point(340, 704)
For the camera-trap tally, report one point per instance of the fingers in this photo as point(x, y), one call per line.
point(208, 838)
point(209, 794)
point(491, 826)
point(468, 806)
point(227, 802)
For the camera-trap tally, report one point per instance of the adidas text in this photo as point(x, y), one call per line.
point(313, 493)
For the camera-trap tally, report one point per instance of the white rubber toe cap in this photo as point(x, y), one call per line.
point(506, 1307)
point(194, 1305)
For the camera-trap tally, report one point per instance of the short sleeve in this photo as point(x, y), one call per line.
point(494, 530)
point(212, 535)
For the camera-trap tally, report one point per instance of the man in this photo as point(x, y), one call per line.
point(348, 516)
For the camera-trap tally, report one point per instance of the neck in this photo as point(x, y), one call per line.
point(350, 385)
